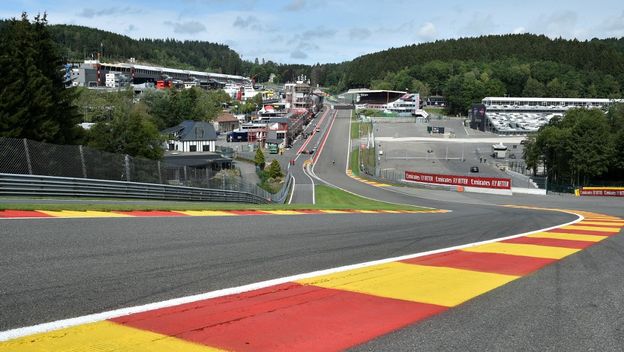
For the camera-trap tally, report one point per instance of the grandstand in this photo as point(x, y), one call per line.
point(362, 96)
point(515, 115)
point(91, 73)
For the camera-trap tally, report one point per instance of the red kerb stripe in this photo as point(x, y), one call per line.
point(486, 262)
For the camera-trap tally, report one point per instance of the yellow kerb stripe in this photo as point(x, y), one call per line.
point(205, 213)
point(83, 214)
point(591, 228)
point(527, 250)
point(602, 223)
point(426, 284)
point(568, 236)
point(283, 212)
point(101, 337)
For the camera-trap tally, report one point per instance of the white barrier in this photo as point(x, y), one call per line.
point(536, 191)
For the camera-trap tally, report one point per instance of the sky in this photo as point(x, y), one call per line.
point(325, 31)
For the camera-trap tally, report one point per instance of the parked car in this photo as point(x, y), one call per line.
point(474, 169)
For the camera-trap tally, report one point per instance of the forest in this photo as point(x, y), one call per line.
point(464, 70)
point(584, 147)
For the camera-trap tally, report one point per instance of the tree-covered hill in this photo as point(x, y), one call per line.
point(584, 56)
point(464, 70)
point(468, 69)
point(79, 42)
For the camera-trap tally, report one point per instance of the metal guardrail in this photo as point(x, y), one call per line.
point(33, 185)
point(280, 197)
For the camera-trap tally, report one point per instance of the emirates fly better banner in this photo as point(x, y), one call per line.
point(467, 181)
point(602, 192)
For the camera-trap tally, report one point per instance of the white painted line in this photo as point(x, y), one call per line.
point(359, 195)
point(306, 171)
point(92, 318)
point(292, 192)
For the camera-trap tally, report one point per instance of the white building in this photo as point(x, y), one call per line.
point(191, 136)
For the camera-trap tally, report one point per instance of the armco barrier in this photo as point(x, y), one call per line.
point(33, 185)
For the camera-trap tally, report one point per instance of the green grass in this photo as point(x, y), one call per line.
point(122, 205)
point(333, 198)
point(354, 162)
point(355, 130)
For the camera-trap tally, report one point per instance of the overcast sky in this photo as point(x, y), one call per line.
point(306, 31)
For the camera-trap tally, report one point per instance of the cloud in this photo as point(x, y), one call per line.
point(91, 13)
point(242, 22)
point(320, 32)
point(359, 33)
point(614, 24)
point(519, 30)
point(558, 24)
point(427, 31)
point(190, 27)
point(405, 27)
point(252, 23)
point(298, 54)
point(295, 5)
point(479, 24)
point(131, 28)
point(562, 23)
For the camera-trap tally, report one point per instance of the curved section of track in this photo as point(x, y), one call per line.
point(56, 269)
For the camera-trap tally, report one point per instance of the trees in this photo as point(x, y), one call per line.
point(79, 41)
point(170, 107)
point(34, 102)
point(589, 146)
point(259, 159)
point(533, 88)
point(131, 132)
point(275, 170)
point(583, 146)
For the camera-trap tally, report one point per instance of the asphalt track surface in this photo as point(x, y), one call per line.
point(59, 268)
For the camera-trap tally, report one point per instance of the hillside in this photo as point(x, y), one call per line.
point(79, 42)
point(598, 55)
point(465, 70)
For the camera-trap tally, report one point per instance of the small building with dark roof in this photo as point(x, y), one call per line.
point(191, 136)
point(227, 122)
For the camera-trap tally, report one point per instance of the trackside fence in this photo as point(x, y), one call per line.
point(36, 169)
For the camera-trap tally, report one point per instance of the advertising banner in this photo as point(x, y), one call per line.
point(467, 181)
point(602, 192)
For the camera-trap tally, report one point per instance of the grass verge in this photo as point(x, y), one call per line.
point(354, 162)
point(125, 205)
point(332, 198)
point(355, 130)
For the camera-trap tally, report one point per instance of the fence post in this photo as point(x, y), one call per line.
point(159, 172)
point(30, 172)
point(82, 162)
point(127, 166)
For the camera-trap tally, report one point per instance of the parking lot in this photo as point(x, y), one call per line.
point(456, 152)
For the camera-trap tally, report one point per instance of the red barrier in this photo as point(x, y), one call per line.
point(602, 192)
point(467, 181)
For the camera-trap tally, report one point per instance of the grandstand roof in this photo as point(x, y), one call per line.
point(567, 100)
point(364, 90)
